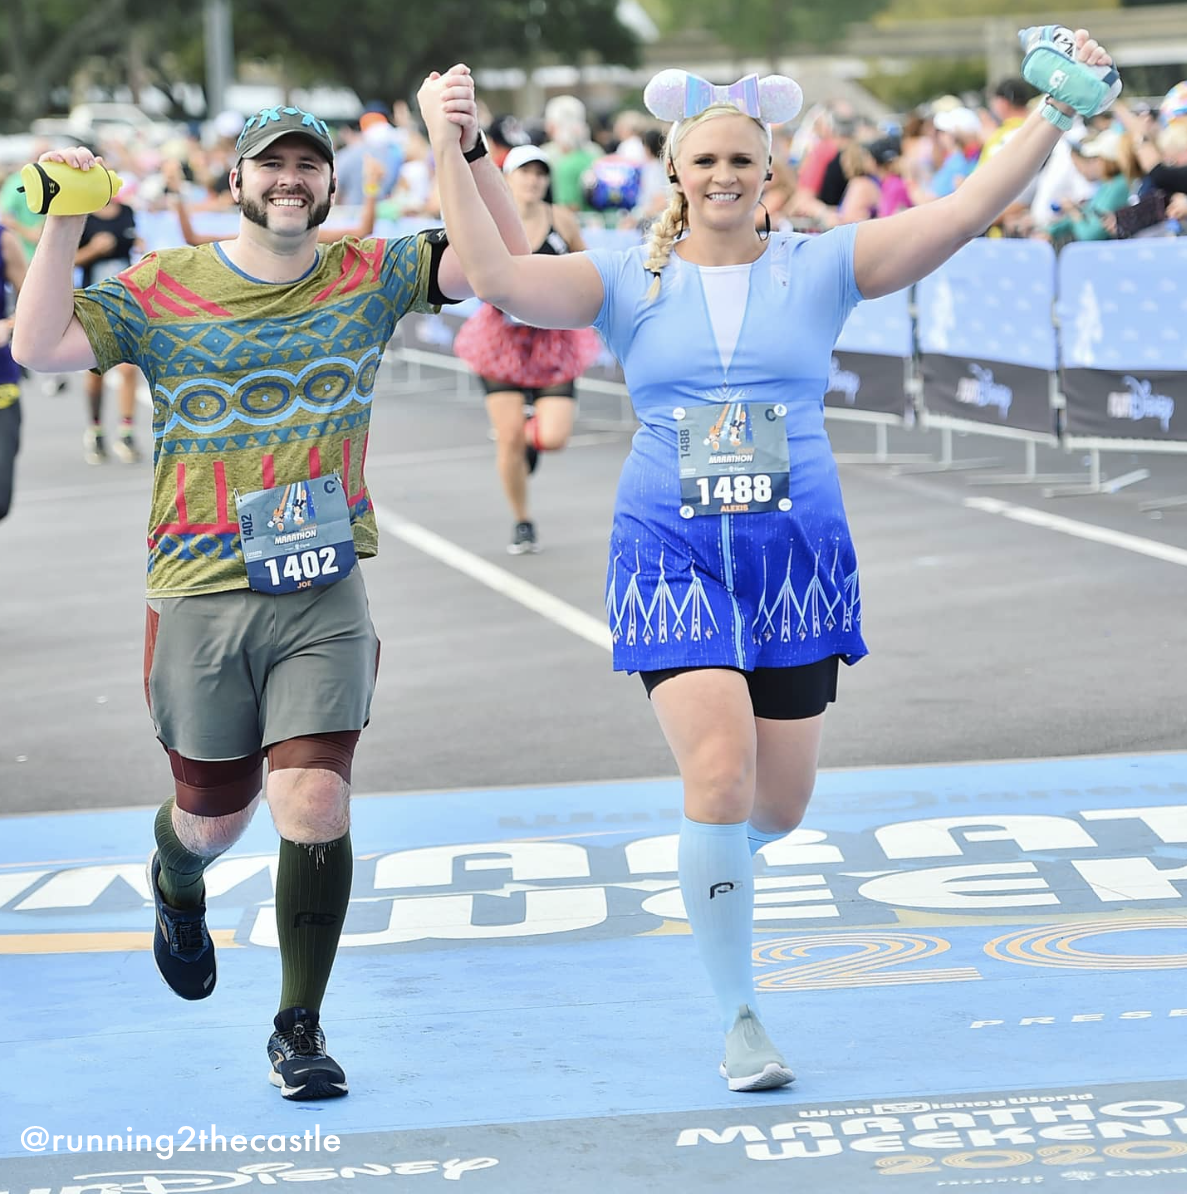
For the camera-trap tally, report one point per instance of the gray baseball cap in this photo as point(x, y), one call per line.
point(270, 124)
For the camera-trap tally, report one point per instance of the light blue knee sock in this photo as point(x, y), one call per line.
point(717, 882)
point(760, 837)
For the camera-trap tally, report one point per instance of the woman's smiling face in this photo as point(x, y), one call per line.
point(721, 164)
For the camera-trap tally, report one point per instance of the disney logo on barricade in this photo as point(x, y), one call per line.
point(1140, 402)
point(982, 390)
point(843, 381)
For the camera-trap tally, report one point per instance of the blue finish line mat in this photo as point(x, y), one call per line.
point(976, 971)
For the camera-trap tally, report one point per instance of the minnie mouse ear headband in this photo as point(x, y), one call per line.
point(679, 95)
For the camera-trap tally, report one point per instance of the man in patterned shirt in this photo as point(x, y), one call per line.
point(262, 353)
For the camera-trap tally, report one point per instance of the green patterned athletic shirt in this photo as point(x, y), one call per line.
point(254, 384)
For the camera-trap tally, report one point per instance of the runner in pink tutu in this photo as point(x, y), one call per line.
point(525, 366)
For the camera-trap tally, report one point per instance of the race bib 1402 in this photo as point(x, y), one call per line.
point(296, 536)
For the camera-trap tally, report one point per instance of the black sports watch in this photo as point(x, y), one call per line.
point(480, 149)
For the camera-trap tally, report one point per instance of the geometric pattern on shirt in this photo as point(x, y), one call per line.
point(343, 328)
point(265, 439)
point(201, 546)
point(252, 384)
point(265, 397)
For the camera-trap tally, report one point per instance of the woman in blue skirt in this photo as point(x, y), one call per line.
point(732, 586)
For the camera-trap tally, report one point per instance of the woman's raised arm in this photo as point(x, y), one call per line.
point(550, 292)
point(894, 252)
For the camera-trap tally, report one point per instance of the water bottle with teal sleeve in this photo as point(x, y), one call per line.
point(1049, 64)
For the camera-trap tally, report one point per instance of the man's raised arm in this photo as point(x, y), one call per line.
point(47, 336)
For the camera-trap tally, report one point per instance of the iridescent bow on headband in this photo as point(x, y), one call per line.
point(699, 94)
point(679, 95)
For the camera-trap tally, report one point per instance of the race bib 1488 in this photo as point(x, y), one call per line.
point(733, 458)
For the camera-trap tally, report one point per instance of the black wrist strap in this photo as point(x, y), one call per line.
point(479, 151)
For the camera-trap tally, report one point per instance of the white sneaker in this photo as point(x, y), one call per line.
point(94, 445)
point(124, 446)
point(751, 1061)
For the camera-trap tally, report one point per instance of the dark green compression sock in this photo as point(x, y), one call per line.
point(180, 880)
point(312, 893)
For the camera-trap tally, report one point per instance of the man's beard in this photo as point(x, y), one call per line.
point(257, 212)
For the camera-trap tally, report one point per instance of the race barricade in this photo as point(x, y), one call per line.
point(872, 365)
point(975, 349)
point(987, 347)
point(426, 341)
point(871, 377)
point(1123, 337)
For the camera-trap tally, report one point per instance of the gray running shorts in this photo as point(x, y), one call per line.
point(228, 674)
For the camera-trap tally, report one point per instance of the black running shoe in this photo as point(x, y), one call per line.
point(532, 456)
point(181, 946)
point(523, 539)
point(300, 1067)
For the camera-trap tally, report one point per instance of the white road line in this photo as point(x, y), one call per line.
point(530, 596)
point(1080, 530)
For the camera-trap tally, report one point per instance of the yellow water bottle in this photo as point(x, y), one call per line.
point(56, 189)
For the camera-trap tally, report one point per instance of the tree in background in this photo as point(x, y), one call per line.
point(373, 46)
point(925, 80)
point(44, 42)
point(771, 28)
point(384, 51)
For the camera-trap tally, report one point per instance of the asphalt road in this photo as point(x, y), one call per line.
point(991, 638)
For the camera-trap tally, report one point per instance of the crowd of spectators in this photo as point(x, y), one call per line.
point(1123, 173)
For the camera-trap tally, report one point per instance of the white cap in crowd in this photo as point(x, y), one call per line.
point(521, 155)
point(1106, 144)
point(960, 122)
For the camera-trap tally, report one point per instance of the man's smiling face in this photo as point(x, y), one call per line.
point(286, 187)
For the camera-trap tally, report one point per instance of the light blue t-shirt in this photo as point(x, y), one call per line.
point(770, 589)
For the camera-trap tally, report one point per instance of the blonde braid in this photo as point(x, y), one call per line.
point(664, 231)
